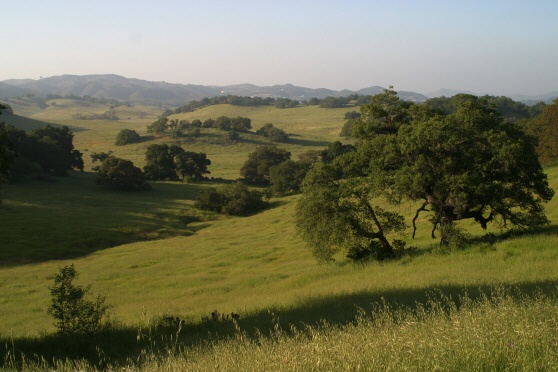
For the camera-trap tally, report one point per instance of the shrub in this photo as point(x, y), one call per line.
point(120, 174)
point(272, 133)
point(75, 314)
point(126, 136)
point(256, 169)
point(234, 200)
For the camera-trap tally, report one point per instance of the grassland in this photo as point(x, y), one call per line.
point(295, 313)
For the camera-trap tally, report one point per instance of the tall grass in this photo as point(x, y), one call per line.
point(501, 329)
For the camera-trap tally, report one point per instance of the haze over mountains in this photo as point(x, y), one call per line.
point(149, 92)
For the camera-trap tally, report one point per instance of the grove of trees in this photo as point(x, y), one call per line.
point(51, 148)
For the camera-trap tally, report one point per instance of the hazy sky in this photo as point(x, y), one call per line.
point(496, 47)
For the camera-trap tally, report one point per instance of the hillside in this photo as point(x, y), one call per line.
point(157, 258)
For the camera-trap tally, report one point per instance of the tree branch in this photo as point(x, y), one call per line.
point(422, 208)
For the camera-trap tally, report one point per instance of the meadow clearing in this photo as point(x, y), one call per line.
point(492, 305)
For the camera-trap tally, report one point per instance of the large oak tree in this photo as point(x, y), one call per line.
point(469, 164)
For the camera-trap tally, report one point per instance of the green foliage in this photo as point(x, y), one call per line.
point(126, 136)
point(172, 163)
point(286, 103)
point(272, 133)
point(350, 119)
point(510, 110)
point(545, 128)
point(286, 178)
point(74, 314)
point(334, 102)
point(238, 124)
point(120, 174)
point(191, 164)
point(233, 136)
point(383, 115)
point(467, 164)
point(335, 214)
point(160, 162)
point(6, 109)
point(235, 200)
point(158, 126)
point(334, 150)
point(256, 169)
point(50, 147)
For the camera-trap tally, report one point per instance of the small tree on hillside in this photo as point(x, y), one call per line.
point(74, 314)
point(272, 133)
point(126, 136)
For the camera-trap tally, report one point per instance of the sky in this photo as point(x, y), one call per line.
point(486, 47)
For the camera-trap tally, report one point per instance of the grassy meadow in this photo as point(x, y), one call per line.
point(492, 305)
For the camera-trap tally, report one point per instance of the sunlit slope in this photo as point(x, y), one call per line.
point(252, 264)
point(311, 128)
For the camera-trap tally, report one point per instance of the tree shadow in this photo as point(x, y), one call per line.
point(308, 143)
point(169, 334)
point(491, 239)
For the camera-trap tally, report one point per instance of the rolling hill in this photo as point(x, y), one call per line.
point(149, 92)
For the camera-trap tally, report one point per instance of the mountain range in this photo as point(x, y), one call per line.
point(149, 92)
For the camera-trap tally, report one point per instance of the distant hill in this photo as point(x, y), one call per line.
point(156, 93)
point(150, 92)
point(10, 91)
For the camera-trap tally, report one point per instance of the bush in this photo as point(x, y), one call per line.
point(286, 178)
point(126, 136)
point(73, 313)
point(120, 174)
point(256, 169)
point(234, 200)
point(272, 133)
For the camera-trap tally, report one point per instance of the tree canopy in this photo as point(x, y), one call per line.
point(468, 164)
point(172, 163)
point(256, 169)
point(235, 199)
point(545, 128)
point(126, 136)
point(120, 174)
point(272, 133)
point(336, 214)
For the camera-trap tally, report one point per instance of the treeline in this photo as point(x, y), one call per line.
point(328, 102)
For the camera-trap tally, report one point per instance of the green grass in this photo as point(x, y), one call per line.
point(312, 128)
point(183, 263)
point(73, 216)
